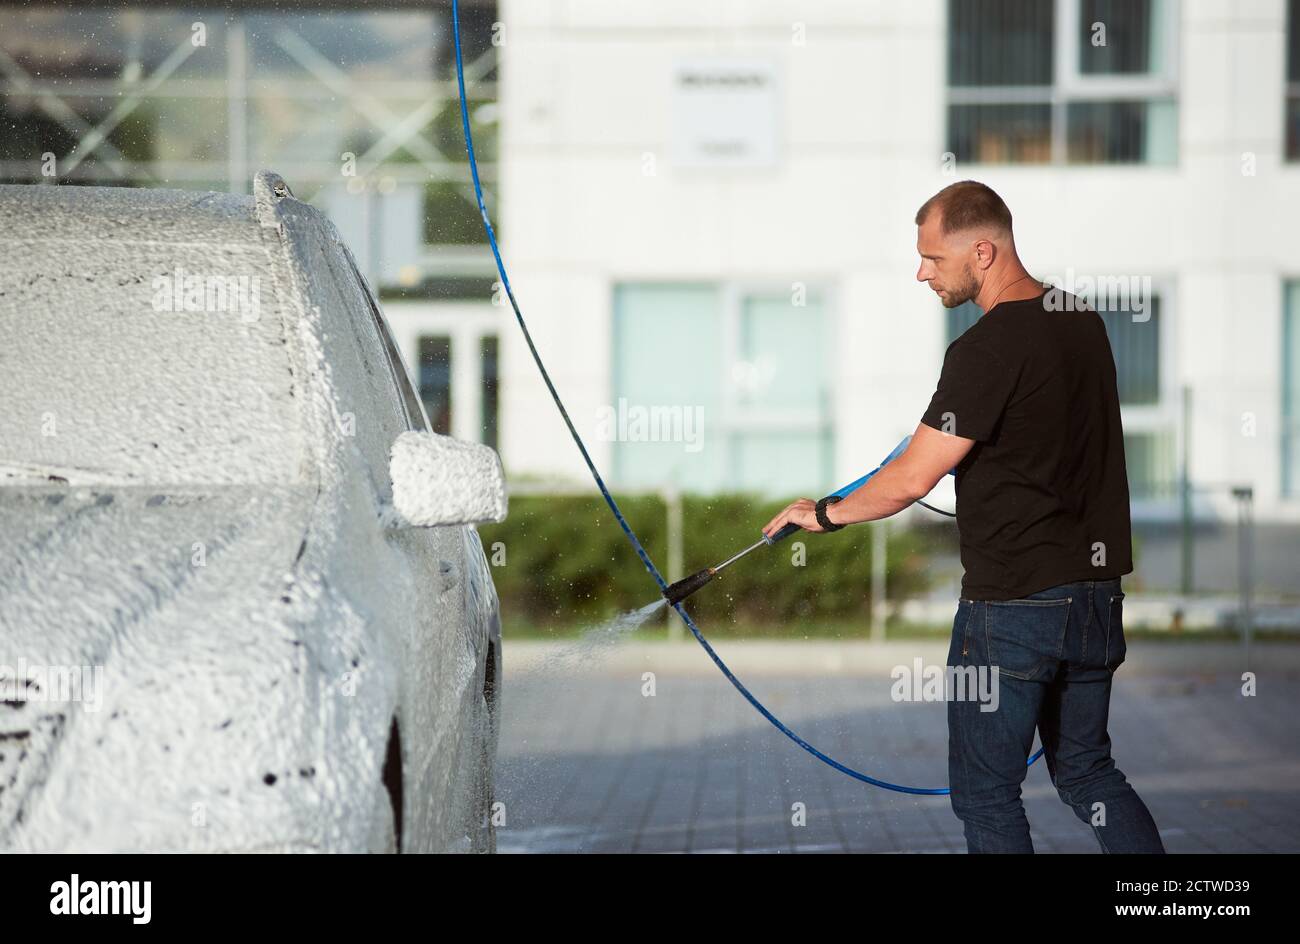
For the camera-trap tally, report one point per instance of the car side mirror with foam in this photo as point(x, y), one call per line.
point(439, 480)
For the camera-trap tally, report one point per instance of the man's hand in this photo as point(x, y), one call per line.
point(802, 512)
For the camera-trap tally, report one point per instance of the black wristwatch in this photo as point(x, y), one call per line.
point(826, 523)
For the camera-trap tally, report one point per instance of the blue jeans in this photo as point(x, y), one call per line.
point(1056, 652)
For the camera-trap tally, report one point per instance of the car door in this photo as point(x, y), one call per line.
point(450, 638)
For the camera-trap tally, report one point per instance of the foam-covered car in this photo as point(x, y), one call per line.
point(243, 602)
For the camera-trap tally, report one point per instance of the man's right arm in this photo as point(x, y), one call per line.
point(928, 457)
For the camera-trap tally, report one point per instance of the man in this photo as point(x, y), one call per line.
point(1027, 412)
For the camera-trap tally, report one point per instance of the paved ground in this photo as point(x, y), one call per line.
point(588, 763)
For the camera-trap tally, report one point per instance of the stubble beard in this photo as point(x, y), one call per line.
point(963, 292)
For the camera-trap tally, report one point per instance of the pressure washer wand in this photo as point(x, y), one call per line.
point(687, 585)
point(683, 588)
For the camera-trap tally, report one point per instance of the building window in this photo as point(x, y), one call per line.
point(435, 381)
point(706, 395)
point(1147, 407)
point(121, 96)
point(490, 391)
point(1291, 391)
point(961, 318)
point(1293, 80)
point(1062, 81)
point(1135, 344)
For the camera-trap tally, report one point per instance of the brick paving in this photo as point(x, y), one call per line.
point(587, 763)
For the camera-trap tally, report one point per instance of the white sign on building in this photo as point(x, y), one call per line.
point(724, 113)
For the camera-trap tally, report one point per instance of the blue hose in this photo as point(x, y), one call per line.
point(645, 558)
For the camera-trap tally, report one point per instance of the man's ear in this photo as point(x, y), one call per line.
point(985, 252)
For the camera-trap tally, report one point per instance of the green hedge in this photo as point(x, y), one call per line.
point(566, 560)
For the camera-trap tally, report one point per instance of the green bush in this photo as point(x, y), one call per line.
point(560, 560)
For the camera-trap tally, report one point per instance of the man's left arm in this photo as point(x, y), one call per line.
point(929, 457)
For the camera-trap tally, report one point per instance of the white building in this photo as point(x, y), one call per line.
point(706, 209)
point(709, 206)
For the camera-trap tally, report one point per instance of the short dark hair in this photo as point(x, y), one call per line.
point(967, 204)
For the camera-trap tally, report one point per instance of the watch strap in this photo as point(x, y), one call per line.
point(820, 511)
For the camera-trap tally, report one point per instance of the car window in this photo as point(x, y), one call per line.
point(415, 415)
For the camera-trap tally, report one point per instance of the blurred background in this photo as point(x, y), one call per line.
point(706, 208)
point(707, 211)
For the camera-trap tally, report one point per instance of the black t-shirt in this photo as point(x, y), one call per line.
point(1042, 497)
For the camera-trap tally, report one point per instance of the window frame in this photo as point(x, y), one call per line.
point(1164, 417)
